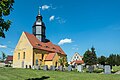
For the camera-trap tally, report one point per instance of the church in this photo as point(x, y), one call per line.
point(35, 50)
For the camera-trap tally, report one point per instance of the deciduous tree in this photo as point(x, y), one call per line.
point(6, 6)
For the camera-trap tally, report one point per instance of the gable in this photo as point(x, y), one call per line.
point(23, 43)
point(76, 56)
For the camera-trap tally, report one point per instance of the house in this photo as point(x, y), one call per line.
point(35, 50)
point(9, 60)
point(76, 59)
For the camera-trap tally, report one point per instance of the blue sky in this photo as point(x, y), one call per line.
point(83, 23)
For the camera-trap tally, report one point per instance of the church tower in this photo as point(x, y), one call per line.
point(39, 28)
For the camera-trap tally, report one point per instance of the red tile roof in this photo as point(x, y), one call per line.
point(50, 56)
point(47, 46)
point(9, 58)
point(78, 62)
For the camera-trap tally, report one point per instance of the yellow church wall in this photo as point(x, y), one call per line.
point(23, 46)
point(48, 63)
point(38, 56)
point(56, 59)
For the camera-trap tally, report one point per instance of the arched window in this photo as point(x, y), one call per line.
point(23, 55)
point(18, 56)
point(36, 61)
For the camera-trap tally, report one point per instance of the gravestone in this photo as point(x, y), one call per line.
point(107, 69)
point(45, 67)
point(61, 68)
point(101, 66)
point(58, 67)
point(79, 68)
point(91, 68)
point(69, 68)
point(37, 67)
point(52, 68)
point(33, 67)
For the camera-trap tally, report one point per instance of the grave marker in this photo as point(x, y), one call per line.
point(69, 68)
point(79, 68)
point(45, 67)
point(107, 69)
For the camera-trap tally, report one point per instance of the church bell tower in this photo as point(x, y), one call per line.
point(39, 28)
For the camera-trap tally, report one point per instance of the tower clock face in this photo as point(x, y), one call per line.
point(38, 30)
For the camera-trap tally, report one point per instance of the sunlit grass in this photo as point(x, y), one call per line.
point(22, 74)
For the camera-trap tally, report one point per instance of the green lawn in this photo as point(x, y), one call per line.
point(116, 68)
point(29, 74)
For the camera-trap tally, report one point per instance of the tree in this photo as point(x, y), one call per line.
point(61, 61)
point(118, 60)
point(90, 57)
point(102, 60)
point(5, 9)
point(3, 56)
point(113, 60)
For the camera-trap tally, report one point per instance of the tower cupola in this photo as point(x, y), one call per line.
point(39, 28)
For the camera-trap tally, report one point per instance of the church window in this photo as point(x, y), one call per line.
point(23, 55)
point(42, 56)
point(38, 29)
point(18, 56)
point(46, 47)
point(36, 61)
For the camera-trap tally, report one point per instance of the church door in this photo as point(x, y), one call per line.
point(55, 64)
point(22, 64)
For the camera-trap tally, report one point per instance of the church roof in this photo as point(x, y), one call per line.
point(47, 46)
point(50, 56)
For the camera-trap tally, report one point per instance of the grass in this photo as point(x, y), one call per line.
point(29, 74)
point(116, 68)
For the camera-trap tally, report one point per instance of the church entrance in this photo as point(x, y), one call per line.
point(22, 64)
point(55, 64)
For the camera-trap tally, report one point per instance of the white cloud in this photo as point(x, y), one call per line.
point(61, 20)
point(66, 40)
point(44, 7)
point(3, 46)
point(52, 18)
point(57, 19)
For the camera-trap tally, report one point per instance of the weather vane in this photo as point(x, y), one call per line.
point(39, 10)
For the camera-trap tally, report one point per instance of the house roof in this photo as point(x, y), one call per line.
point(77, 62)
point(47, 46)
point(9, 58)
point(50, 56)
